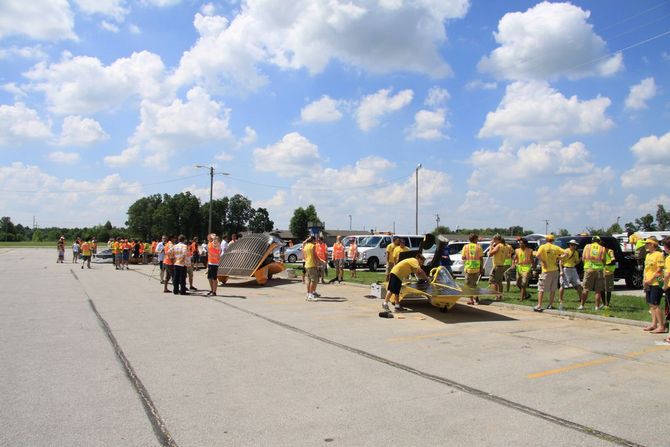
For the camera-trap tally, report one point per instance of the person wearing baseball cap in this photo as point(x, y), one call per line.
point(548, 254)
point(653, 272)
point(593, 257)
point(568, 268)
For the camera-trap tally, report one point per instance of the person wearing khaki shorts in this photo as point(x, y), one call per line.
point(548, 254)
point(593, 257)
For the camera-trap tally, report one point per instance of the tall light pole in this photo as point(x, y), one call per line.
point(349, 222)
point(546, 227)
point(437, 220)
point(211, 192)
point(416, 220)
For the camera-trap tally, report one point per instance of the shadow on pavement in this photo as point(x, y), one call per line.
point(460, 313)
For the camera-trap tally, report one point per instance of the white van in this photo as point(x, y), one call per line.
point(372, 248)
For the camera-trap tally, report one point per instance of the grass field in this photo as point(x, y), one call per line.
point(29, 244)
point(621, 306)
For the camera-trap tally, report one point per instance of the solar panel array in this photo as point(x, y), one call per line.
point(244, 256)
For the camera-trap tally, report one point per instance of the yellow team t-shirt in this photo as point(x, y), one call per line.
point(652, 262)
point(389, 251)
point(549, 253)
point(396, 253)
point(667, 271)
point(500, 255)
point(310, 257)
point(572, 258)
point(405, 267)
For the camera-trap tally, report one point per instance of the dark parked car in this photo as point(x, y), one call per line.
point(627, 267)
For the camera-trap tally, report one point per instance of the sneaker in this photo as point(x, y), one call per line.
point(312, 298)
point(580, 307)
point(537, 309)
point(307, 298)
point(385, 306)
point(598, 307)
point(550, 307)
point(317, 295)
point(192, 288)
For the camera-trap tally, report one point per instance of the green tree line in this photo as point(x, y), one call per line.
point(158, 214)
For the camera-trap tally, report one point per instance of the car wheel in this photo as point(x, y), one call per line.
point(634, 280)
point(373, 264)
point(292, 258)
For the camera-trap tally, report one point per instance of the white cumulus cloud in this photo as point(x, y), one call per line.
point(292, 156)
point(110, 8)
point(535, 111)
point(652, 162)
point(518, 167)
point(182, 124)
point(428, 125)
point(373, 107)
point(18, 123)
point(379, 37)
point(437, 97)
point(125, 158)
point(37, 19)
point(67, 158)
point(79, 131)
point(323, 110)
point(83, 85)
point(640, 94)
point(548, 41)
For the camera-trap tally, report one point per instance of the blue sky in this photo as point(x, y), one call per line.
point(518, 111)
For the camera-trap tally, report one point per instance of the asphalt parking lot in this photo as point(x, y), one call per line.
point(103, 357)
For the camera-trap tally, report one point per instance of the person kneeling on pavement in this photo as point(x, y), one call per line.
point(399, 274)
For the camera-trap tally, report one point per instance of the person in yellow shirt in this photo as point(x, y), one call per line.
point(593, 257)
point(389, 255)
point(610, 268)
point(500, 254)
point(401, 247)
point(654, 263)
point(666, 278)
point(568, 267)
point(85, 254)
point(548, 254)
point(311, 267)
point(473, 267)
point(399, 274)
point(523, 262)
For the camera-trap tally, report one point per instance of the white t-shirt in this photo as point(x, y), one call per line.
point(203, 249)
point(224, 246)
point(75, 247)
point(160, 249)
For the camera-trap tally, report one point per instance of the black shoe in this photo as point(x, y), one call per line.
point(192, 288)
point(184, 293)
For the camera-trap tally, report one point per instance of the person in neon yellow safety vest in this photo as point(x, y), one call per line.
point(593, 257)
point(473, 267)
point(610, 267)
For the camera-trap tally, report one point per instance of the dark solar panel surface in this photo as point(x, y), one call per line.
point(242, 257)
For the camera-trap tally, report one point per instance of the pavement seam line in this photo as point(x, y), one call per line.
point(448, 382)
point(159, 427)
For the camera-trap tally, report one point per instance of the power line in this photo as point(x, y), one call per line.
point(116, 188)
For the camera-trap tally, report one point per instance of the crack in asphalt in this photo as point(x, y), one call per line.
point(157, 423)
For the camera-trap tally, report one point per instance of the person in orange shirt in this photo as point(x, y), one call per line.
point(353, 255)
point(168, 263)
point(154, 244)
point(125, 252)
point(338, 260)
point(322, 258)
point(213, 258)
point(195, 258)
